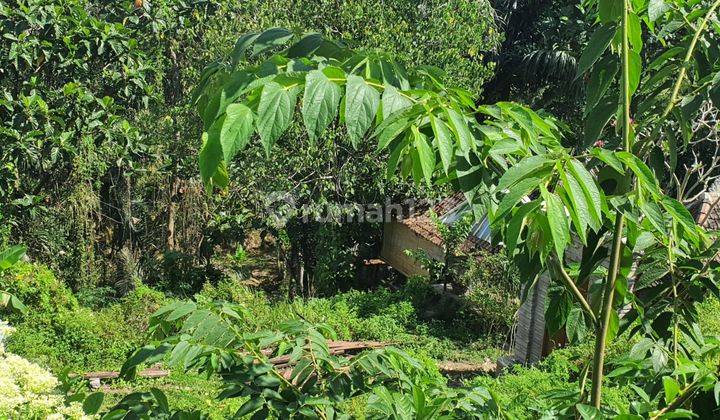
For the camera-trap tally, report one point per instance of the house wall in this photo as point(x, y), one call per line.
point(396, 239)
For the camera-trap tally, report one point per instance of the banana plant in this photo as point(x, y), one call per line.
point(542, 198)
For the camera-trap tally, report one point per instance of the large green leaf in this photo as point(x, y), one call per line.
point(393, 101)
point(598, 118)
point(656, 8)
point(679, 213)
point(654, 216)
point(610, 10)
point(592, 194)
point(9, 256)
point(270, 38)
point(671, 388)
point(275, 110)
point(425, 153)
point(320, 103)
point(306, 46)
point(523, 169)
point(460, 128)
point(609, 158)
point(580, 205)
point(93, 402)
point(557, 218)
point(361, 104)
point(443, 141)
point(211, 153)
point(715, 90)
point(600, 81)
point(597, 45)
point(635, 67)
point(575, 325)
point(645, 176)
point(241, 45)
point(236, 130)
point(635, 32)
point(514, 226)
point(514, 195)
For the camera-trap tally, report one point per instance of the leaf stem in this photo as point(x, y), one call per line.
point(688, 56)
point(608, 296)
point(570, 284)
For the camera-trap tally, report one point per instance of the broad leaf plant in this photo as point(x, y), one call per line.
point(596, 214)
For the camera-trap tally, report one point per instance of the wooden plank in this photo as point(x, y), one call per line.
point(147, 373)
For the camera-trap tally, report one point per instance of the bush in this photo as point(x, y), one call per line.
point(455, 35)
point(38, 288)
point(708, 315)
point(105, 84)
point(70, 336)
point(29, 391)
point(527, 392)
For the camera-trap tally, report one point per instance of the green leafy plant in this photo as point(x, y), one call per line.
point(8, 258)
point(289, 371)
point(543, 199)
point(454, 262)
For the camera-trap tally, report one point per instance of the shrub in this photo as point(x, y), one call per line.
point(80, 338)
point(708, 316)
point(29, 391)
point(38, 288)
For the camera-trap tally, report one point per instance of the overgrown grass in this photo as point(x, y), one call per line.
point(62, 334)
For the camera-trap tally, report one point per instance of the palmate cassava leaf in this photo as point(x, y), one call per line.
point(320, 103)
point(275, 110)
point(361, 104)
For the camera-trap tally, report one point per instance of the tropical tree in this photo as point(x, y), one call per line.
point(643, 259)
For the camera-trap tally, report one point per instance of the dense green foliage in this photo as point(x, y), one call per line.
point(511, 164)
point(107, 109)
point(97, 125)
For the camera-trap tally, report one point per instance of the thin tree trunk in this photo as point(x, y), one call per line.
point(616, 253)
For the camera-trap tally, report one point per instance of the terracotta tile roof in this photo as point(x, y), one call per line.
point(423, 225)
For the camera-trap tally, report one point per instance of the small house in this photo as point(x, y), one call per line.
point(418, 231)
